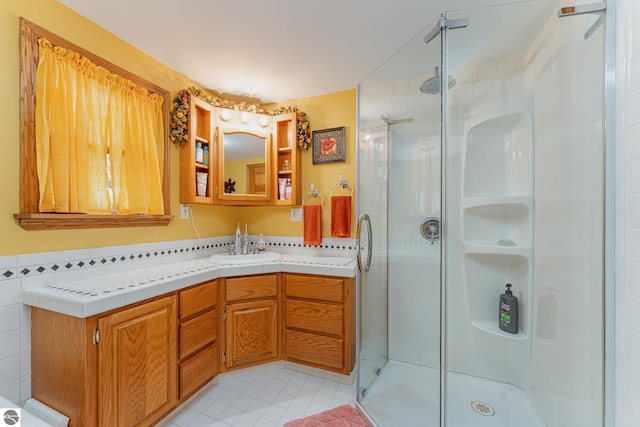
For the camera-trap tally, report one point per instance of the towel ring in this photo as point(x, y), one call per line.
point(341, 185)
point(313, 196)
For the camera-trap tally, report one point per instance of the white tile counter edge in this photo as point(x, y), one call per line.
point(88, 297)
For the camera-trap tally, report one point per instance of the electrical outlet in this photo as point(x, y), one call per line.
point(184, 211)
point(296, 214)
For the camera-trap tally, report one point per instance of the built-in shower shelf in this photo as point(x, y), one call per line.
point(486, 275)
point(522, 199)
point(500, 224)
point(497, 157)
point(491, 327)
point(483, 248)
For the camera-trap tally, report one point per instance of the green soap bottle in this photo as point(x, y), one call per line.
point(508, 311)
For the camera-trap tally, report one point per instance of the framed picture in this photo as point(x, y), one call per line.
point(328, 145)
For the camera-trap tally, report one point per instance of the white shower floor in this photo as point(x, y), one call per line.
point(404, 395)
point(408, 395)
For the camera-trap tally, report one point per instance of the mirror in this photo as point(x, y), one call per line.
point(244, 167)
point(244, 152)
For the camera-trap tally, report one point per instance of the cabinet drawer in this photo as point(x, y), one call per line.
point(314, 316)
point(316, 349)
point(252, 287)
point(313, 287)
point(198, 299)
point(198, 370)
point(198, 332)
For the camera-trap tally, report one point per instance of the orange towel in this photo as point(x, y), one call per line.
point(312, 216)
point(341, 216)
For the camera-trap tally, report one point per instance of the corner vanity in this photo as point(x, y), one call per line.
point(126, 349)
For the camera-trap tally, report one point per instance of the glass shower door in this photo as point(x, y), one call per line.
point(399, 190)
point(372, 200)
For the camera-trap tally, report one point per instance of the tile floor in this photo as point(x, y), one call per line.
point(265, 396)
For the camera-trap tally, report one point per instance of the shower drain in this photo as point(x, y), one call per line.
point(482, 408)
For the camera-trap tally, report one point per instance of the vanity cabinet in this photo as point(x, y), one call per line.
point(319, 321)
point(197, 337)
point(192, 168)
point(251, 320)
point(116, 369)
point(133, 365)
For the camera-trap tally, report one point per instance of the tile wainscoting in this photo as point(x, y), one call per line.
point(26, 271)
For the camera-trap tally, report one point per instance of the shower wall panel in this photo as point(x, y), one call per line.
point(490, 205)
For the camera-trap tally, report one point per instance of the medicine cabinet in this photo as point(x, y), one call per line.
point(237, 157)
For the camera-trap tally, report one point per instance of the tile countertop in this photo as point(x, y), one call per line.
point(87, 297)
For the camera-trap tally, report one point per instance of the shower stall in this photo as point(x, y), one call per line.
point(481, 163)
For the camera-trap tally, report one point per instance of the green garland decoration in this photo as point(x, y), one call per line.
point(179, 116)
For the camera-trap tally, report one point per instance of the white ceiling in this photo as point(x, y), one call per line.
point(272, 51)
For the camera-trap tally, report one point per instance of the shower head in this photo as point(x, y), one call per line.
point(431, 86)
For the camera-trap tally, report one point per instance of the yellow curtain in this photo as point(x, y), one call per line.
point(136, 154)
point(84, 112)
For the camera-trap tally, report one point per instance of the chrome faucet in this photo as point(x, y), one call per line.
point(245, 246)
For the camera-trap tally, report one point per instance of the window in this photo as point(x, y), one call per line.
point(117, 204)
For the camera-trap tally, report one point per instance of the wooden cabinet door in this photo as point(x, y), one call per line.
point(137, 364)
point(251, 332)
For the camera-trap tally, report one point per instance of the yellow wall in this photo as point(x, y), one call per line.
point(324, 111)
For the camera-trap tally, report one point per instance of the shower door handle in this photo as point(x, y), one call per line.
point(367, 266)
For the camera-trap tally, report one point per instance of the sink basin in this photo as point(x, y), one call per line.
point(227, 259)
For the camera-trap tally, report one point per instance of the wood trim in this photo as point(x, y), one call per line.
point(350, 324)
point(29, 188)
point(35, 221)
